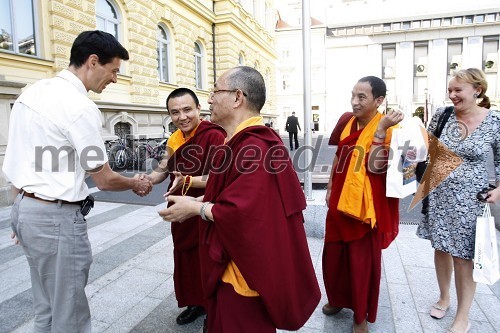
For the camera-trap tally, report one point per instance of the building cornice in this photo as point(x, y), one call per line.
point(141, 108)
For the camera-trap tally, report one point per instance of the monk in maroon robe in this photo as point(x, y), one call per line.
point(256, 266)
point(354, 239)
point(188, 155)
point(193, 158)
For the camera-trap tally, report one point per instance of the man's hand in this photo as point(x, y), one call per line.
point(183, 208)
point(176, 184)
point(143, 185)
point(15, 239)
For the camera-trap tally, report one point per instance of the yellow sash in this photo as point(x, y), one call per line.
point(177, 138)
point(356, 198)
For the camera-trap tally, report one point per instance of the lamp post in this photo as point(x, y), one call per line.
point(426, 111)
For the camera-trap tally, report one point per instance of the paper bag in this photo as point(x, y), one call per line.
point(408, 147)
point(486, 267)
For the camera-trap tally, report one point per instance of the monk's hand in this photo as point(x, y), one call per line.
point(182, 208)
point(144, 178)
point(327, 197)
point(143, 185)
point(176, 184)
point(392, 118)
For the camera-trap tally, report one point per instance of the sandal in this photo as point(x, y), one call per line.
point(452, 330)
point(330, 310)
point(361, 328)
point(437, 311)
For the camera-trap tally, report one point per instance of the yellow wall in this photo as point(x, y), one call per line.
point(188, 21)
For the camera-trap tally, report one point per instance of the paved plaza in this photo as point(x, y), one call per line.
point(131, 286)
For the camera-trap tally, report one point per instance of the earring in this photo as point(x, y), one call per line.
point(475, 95)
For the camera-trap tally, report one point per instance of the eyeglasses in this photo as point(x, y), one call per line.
point(215, 91)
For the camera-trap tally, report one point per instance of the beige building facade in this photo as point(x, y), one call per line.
point(184, 43)
point(413, 46)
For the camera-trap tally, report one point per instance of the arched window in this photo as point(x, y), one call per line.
point(241, 59)
point(17, 27)
point(171, 127)
point(107, 18)
point(198, 65)
point(163, 54)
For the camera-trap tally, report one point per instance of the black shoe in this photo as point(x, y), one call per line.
point(190, 314)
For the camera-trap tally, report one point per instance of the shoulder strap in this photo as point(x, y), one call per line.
point(442, 120)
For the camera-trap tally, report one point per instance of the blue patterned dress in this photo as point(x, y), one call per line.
point(450, 224)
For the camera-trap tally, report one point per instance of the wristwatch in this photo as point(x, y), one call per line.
point(380, 136)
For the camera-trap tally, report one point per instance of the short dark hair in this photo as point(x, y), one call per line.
point(181, 92)
point(251, 82)
point(377, 84)
point(97, 42)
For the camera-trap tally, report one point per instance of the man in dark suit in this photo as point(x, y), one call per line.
point(292, 123)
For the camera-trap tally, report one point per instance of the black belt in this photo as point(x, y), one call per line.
point(32, 195)
point(85, 205)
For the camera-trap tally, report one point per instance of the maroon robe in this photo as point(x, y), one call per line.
point(192, 158)
point(353, 250)
point(258, 223)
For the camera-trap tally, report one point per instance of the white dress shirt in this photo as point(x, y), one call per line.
point(54, 139)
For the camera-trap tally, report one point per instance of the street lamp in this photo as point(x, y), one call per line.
point(426, 110)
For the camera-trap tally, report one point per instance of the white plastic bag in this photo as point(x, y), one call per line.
point(408, 147)
point(486, 267)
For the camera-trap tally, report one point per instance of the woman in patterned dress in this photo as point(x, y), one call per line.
point(450, 224)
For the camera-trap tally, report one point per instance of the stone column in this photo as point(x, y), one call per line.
point(9, 91)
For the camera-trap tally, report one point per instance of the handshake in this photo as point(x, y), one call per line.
point(143, 184)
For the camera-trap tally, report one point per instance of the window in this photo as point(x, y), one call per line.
point(198, 65)
point(420, 55)
point(490, 55)
point(455, 50)
point(122, 130)
point(426, 23)
point(241, 60)
point(406, 25)
point(163, 54)
point(416, 24)
point(387, 27)
point(171, 127)
point(490, 18)
point(17, 27)
point(469, 19)
point(389, 60)
point(457, 20)
point(436, 22)
point(286, 81)
point(447, 22)
point(479, 19)
point(107, 17)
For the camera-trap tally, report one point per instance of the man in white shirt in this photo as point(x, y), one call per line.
point(54, 142)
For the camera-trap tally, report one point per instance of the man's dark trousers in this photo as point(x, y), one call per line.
point(292, 136)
